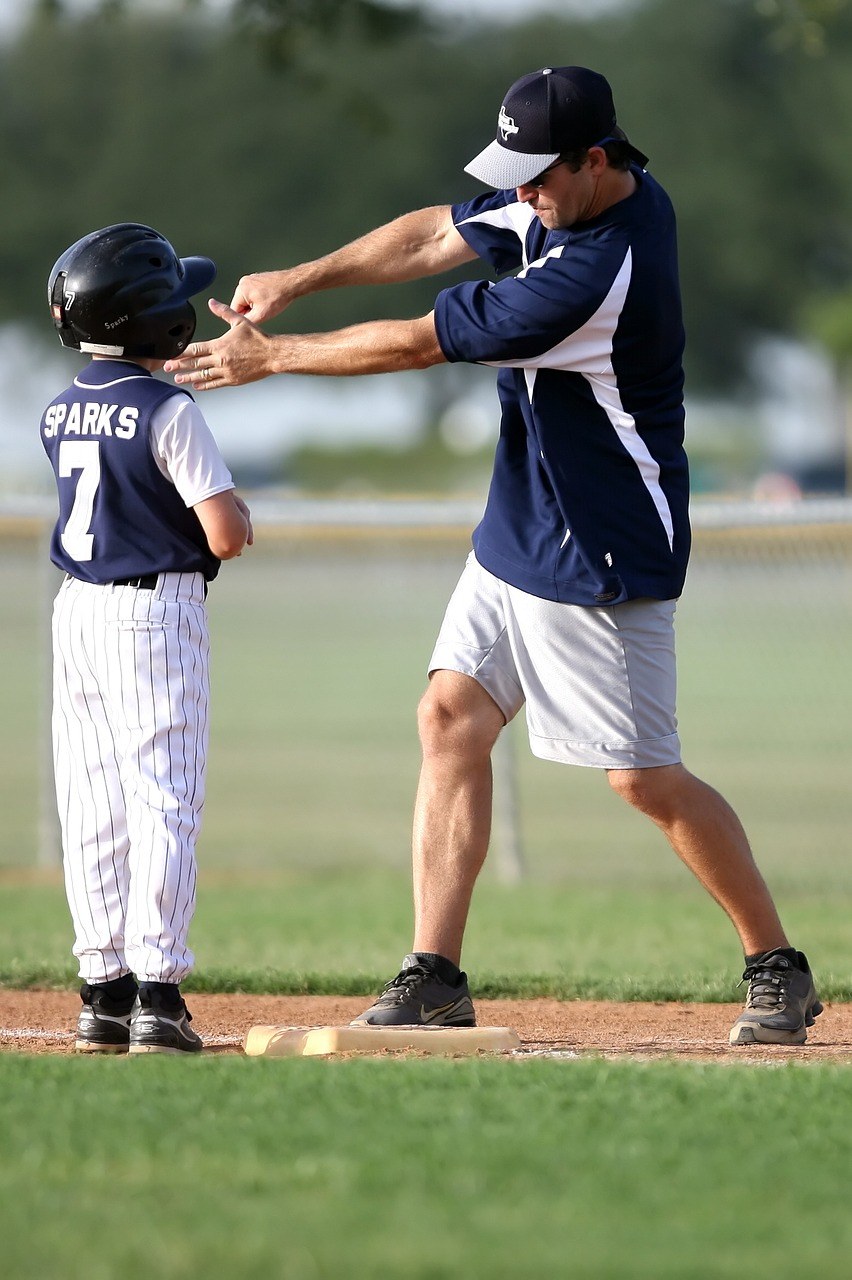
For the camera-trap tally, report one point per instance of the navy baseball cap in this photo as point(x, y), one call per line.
point(543, 115)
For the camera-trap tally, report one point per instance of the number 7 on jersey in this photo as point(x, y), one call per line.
point(83, 456)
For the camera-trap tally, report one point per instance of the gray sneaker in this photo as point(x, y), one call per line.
point(781, 1003)
point(104, 1022)
point(160, 1026)
point(417, 997)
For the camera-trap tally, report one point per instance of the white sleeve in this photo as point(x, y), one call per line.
point(186, 452)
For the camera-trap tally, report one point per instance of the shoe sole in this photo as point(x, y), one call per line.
point(754, 1033)
point(765, 1035)
point(87, 1046)
point(161, 1048)
point(407, 1026)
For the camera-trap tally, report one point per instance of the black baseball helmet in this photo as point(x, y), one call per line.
point(124, 291)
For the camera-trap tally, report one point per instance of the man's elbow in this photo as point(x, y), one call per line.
point(423, 348)
point(425, 359)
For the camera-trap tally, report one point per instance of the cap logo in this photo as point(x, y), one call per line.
point(505, 124)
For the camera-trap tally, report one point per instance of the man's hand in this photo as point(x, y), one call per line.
point(239, 356)
point(264, 294)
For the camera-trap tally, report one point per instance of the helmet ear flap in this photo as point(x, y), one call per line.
point(59, 302)
point(57, 296)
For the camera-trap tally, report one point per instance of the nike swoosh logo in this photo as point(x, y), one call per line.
point(435, 1013)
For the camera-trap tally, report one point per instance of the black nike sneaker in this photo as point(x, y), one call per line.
point(417, 997)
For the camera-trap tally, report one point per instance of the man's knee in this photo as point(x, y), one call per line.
point(457, 716)
point(648, 790)
point(626, 783)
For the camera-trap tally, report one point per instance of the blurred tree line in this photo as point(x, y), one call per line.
point(276, 130)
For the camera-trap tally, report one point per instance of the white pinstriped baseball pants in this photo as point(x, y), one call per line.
point(130, 731)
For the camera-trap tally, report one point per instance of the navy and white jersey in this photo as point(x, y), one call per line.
point(589, 498)
point(123, 513)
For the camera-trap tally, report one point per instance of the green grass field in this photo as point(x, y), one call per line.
point(319, 655)
point(318, 662)
point(442, 1170)
point(345, 933)
point(434, 1170)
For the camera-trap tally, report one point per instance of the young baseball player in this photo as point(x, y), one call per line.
point(147, 511)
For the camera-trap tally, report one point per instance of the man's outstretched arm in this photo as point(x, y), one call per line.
point(417, 244)
point(246, 354)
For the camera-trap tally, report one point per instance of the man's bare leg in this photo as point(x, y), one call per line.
point(708, 837)
point(459, 724)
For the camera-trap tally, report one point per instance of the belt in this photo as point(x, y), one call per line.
point(147, 582)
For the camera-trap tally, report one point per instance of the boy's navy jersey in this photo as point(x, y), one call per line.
point(589, 498)
point(119, 517)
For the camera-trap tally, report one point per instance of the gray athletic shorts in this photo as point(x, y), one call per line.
point(599, 683)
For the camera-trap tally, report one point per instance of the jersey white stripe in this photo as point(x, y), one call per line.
point(555, 252)
point(101, 386)
point(608, 397)
point(514, 217)
point(588, 350)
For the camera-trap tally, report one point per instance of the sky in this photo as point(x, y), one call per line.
point(512, 10)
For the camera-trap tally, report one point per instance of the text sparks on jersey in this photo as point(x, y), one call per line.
point(91, 419)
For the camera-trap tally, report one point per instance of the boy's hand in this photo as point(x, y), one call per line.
point(241, 506)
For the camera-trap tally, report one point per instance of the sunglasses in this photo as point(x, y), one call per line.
point(540, 180)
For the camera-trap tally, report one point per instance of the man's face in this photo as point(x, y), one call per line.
point(560, 197)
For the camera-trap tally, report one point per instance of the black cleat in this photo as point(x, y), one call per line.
point(104, 1022)
point(781, 1003)
point(417, 997)
point(160, 1024)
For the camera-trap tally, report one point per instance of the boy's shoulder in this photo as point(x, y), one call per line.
point(121, 379)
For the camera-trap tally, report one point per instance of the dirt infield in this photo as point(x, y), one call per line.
point(43, 1022)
